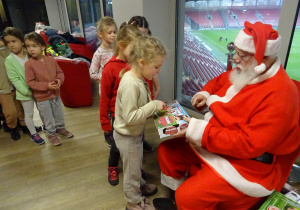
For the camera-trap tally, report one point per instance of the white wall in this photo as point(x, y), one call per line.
point(161, 18)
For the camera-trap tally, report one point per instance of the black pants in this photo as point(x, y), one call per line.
point(114, 154)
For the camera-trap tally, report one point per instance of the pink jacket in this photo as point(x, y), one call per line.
point(38, 74)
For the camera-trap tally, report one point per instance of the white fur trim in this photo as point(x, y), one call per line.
point(170, 182)
point(260, 68)
point(230, 93)
point(208, 115)
point(195, 130)
point(231, 175)
point(273, 46)
point(270, 73)
point(245, 42)
point(204, 93)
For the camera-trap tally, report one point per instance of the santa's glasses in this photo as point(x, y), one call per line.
point(237, 57)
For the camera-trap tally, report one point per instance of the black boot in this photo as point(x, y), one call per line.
point(5, 127)
point(14, 133)
point(165, 203)
point(25, 129)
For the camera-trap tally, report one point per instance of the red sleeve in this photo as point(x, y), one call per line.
point(106, 95)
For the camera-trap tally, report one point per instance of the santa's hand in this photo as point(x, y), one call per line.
point(180, 133)
point(187, 119)
point(199, 102)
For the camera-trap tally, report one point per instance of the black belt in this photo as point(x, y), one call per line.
point(265, 158)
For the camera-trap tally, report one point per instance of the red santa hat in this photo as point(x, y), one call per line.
point(259, 39)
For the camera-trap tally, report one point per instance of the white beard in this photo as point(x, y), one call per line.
point(239, 79)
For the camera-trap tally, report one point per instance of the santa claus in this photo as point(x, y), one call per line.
point(246, 144)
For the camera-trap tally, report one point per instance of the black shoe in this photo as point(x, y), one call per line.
point(5, 127)
point(38, 128)
point(164, 204)
point(14, 133)
point(147, 147)
point(26, 130)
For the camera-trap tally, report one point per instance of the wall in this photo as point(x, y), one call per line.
point(161, 18)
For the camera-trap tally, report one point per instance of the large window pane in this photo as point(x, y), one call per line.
point(73, 17)
point(107, 7)
point(205, 29)
point(90, 9)
point(293, 63)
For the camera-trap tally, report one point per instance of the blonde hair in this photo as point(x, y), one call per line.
point(147, 48)
point(104, 23)
point(125, 36)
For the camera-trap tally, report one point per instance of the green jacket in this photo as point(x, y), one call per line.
point(16, 75)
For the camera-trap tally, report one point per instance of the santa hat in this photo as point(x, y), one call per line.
point(259, 39)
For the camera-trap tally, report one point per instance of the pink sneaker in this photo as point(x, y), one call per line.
point(63, 132)
point(54, 140)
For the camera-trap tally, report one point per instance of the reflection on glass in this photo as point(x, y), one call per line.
point(90, 14)
point(208, 28)
point(107, 6)
point(292, 67)
point(73, 17)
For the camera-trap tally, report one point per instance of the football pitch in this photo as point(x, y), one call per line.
point(218, 47)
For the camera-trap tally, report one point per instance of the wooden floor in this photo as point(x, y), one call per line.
point(71, 176)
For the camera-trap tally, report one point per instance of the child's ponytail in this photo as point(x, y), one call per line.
point(125, 36)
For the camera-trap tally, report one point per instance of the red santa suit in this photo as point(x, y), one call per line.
point(262, 117)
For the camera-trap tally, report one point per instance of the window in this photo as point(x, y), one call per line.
point(292, 67)
point(205, 28)
point(107, 7)
point(89, 12)
point(73, 17)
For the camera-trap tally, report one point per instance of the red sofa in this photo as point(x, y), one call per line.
point(76, 91)
point(79, 49)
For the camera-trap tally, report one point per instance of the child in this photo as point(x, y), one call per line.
point(109, 87)
point(106, 30)
point(12, 108)
point(14, 64)
point(143, 26)
point(133, 107)
point(45, 77)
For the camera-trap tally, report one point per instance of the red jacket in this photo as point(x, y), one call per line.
point(109, 87)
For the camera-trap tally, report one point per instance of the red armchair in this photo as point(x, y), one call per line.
point(76, 91)
point(79, 49)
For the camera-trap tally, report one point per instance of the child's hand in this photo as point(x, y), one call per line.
point(53, 86)
point(108, 135)
point(161, 105)
point(58, 82)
